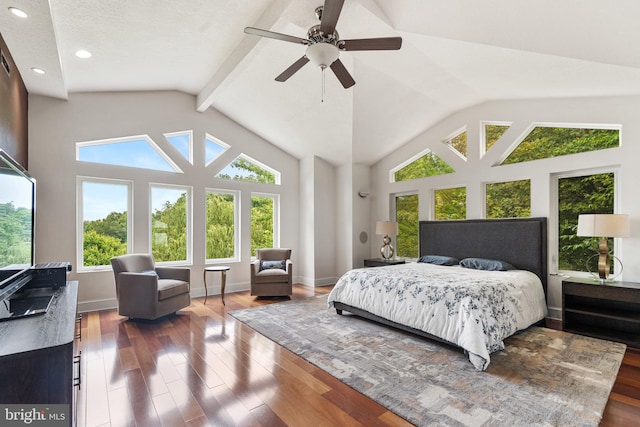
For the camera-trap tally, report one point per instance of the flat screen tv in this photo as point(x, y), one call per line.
point(17, 225)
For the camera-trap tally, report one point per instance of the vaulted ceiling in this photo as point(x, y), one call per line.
point(455, 53)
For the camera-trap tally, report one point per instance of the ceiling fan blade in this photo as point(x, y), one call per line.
point(383, 43)
point(330, 14)
point(274, 35)
point(292, 69)
point(342, 74)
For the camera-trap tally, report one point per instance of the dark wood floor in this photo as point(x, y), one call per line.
point(202, 367)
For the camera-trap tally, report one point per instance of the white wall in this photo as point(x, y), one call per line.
point(56, 125)
point(362, 221)
point(325, 220)
point(477, 171)
point(306, 264)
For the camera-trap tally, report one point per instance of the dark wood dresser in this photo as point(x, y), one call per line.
point(37, 354)
point(609, 311)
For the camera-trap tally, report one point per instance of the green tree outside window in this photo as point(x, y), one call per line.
point(407, 245)
point(546, 142)
point(105, 237)
point(220, 213)
point(591, 194)
point(169, 226)
point(450, 203)
point(459, 143)
point(509, 199)
point(428, 165)
point(492, 133)
point(262, 222)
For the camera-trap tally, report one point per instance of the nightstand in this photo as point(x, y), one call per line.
point(381, 262)
point(608, 311)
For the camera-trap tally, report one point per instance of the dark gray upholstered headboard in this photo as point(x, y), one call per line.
point(521, 242)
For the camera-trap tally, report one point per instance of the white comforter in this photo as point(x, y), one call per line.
point(473, 309)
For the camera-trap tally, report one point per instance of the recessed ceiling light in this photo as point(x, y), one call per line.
point(37, 70)
point(18, 12)
point(84, 54)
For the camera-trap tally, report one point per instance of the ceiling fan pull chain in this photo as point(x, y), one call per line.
point(322, 99)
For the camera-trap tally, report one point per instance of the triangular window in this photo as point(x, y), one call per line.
point(213, 149)
point(182, 141)
point(136, 152)
point(244, 168)
point(492, 133)
point(423, 165)
point(458, 143)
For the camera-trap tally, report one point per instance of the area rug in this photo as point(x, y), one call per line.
point(544, 377)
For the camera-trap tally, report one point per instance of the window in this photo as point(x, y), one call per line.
point(213, 149)
point(578, 195)
point(508, 199)
point(105, 228)
point(182, 141)
point(493, 132)
point(264, 221)
point(407, 245)
point(222, 225)
point(244, 168)
point(458, 143)
point(170, 223)
point(423, 165)
point(544, 142)
point(135, 152)
point(450, 203)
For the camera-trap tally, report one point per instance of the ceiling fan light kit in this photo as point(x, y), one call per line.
point(322, 54)
point(324, 44)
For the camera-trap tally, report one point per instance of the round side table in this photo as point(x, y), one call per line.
point(223, 279)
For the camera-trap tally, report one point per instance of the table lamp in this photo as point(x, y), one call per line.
point(603, 226)
point(386, 228)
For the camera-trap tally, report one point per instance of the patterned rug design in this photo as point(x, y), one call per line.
point(544, 377)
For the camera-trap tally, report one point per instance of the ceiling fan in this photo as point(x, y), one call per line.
point(324, 44)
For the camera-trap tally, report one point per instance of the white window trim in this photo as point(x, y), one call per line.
point(80, 219)
point(236, 226)
point(189, 233)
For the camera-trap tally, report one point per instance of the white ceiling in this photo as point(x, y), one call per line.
point(455, 53)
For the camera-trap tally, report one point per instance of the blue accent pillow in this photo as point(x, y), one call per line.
point(439, 260)
point(486, 264)
point(269, 265)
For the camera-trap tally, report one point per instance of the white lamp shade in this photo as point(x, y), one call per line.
point(322, 54)
point(387, 228)
point(603, 225)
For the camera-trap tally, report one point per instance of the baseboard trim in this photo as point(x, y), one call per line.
point(554, 313)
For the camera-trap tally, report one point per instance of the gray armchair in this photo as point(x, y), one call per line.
point(272, 273)
point(144, 291)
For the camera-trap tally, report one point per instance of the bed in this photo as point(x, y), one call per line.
point(465, 307)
